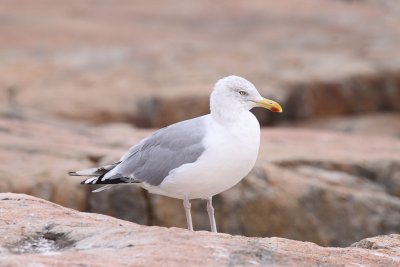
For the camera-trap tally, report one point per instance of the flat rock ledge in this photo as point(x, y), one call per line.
point(36, 232)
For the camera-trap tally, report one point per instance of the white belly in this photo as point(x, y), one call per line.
point(231, 152)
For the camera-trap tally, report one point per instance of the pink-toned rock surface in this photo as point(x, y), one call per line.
point(35, 232)
point(153, 63)
point(378, 124)
point(35, 156)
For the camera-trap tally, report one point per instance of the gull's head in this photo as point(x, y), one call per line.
point(234, 93)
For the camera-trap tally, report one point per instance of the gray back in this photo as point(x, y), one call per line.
point(167, 149)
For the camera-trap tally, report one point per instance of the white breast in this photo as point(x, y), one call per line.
point(231, 152)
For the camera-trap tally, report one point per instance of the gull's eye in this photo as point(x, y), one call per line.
point(242, 93)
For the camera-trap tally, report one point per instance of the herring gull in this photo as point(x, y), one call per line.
point(196, 158)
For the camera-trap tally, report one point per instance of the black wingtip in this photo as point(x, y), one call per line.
point(72, 174)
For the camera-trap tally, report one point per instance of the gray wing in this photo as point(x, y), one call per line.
point(168, 148)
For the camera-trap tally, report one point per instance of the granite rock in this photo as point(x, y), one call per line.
point(39, 233)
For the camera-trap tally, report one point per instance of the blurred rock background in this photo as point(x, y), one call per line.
point(82, 81)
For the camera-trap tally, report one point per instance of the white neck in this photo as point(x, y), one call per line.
point(229, 116)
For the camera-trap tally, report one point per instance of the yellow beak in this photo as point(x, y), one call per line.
point(269, 104)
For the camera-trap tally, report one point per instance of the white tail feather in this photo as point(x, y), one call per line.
point(94, 171)
point(92, 180)
point(103, 188)
point(87, 172)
